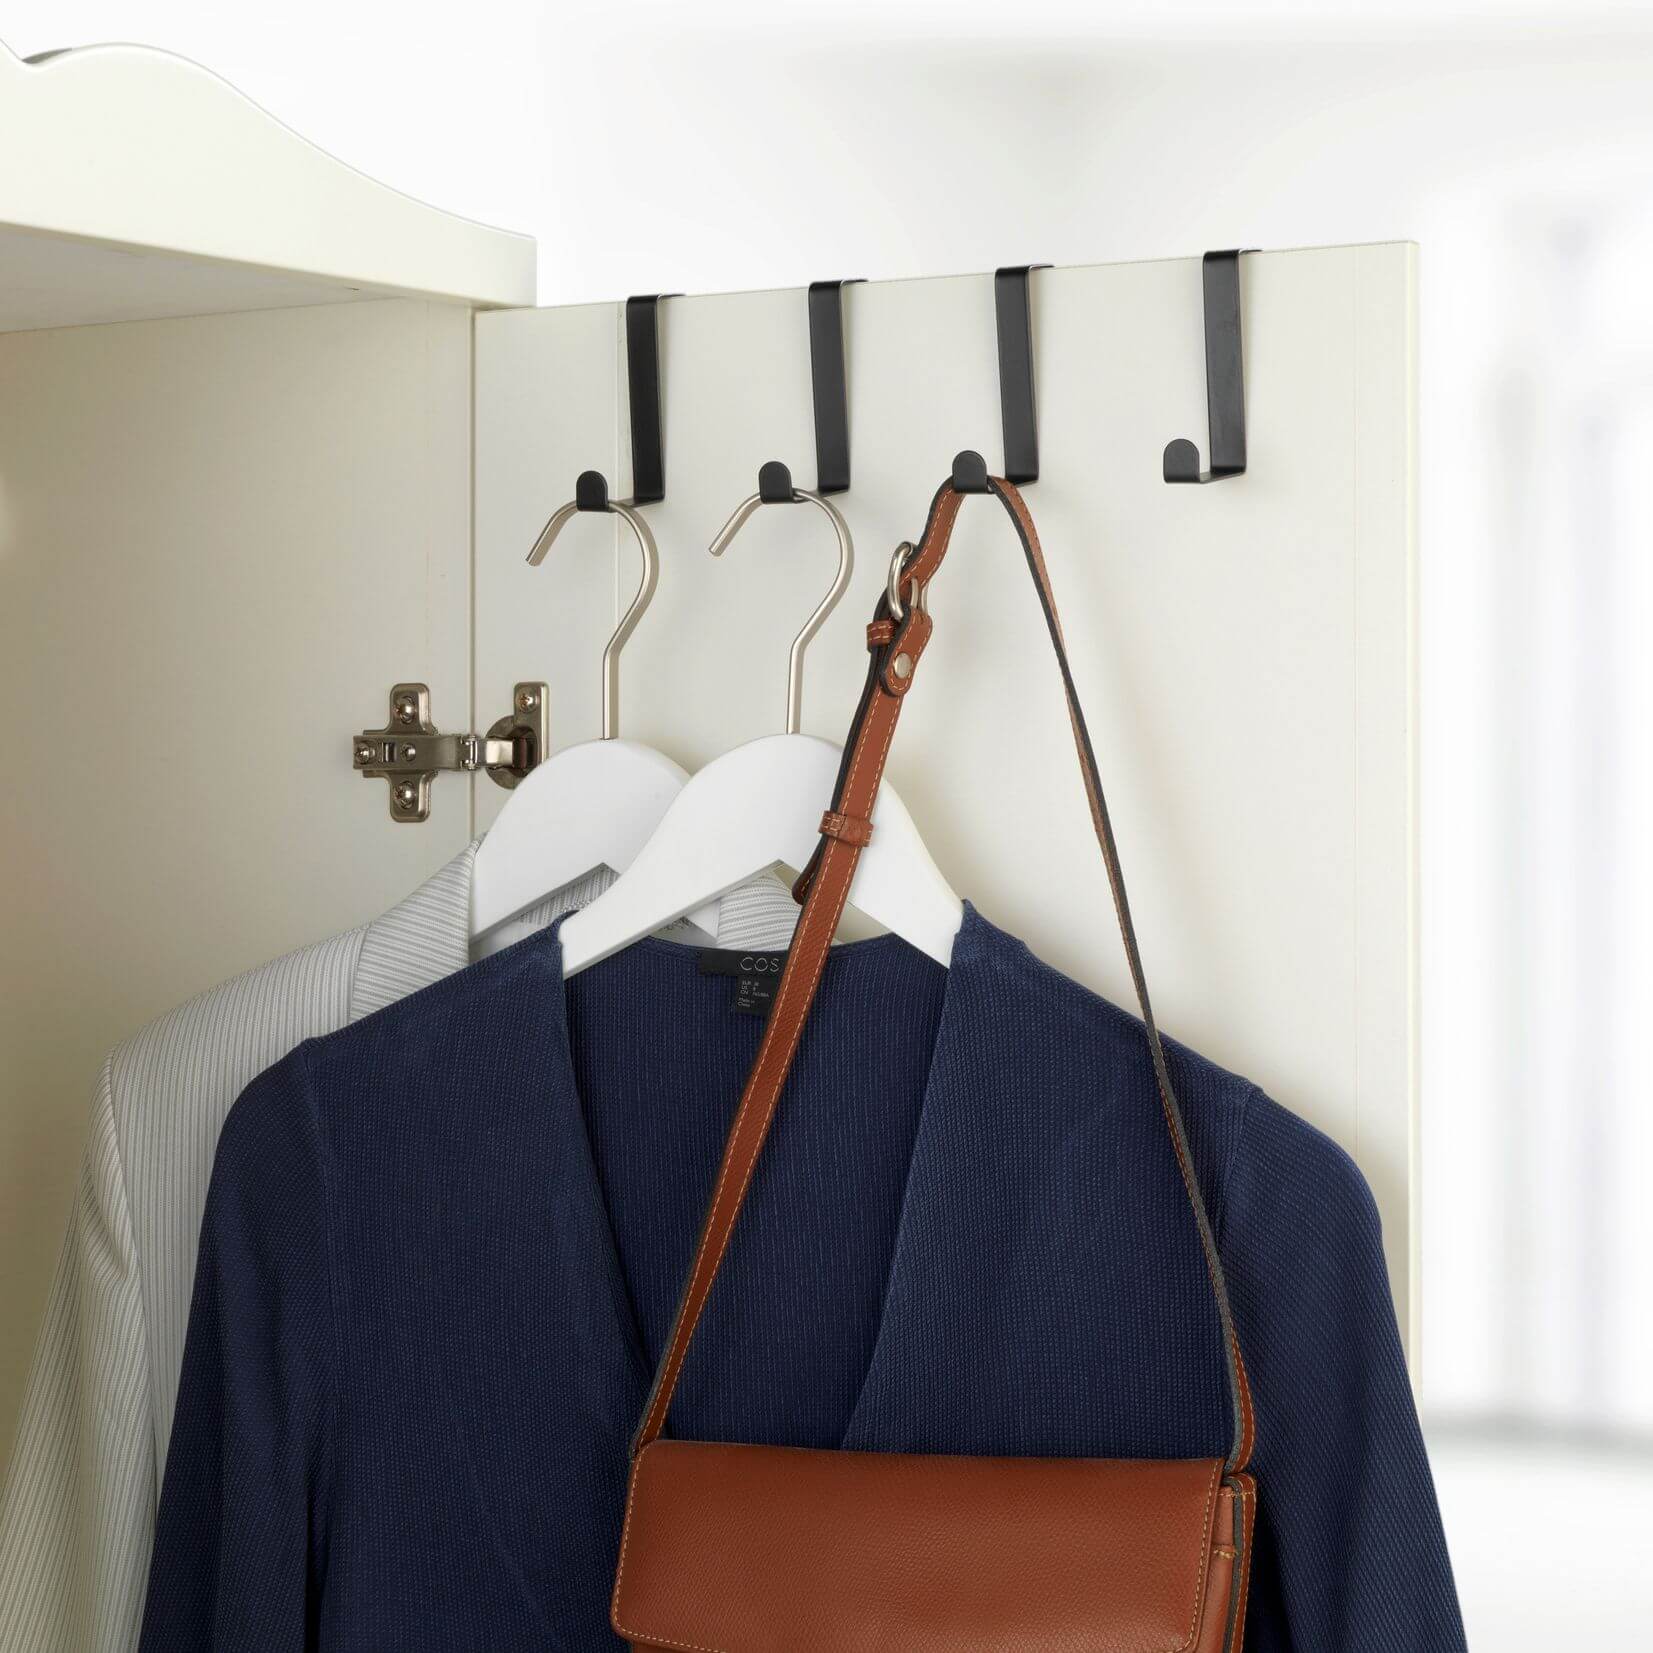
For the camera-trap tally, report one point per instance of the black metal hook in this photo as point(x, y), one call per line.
point(1018, 404)
point(591, 491)
point(829, 393)
point(648, 446)
point(828, 384)
point(1224, 379)
point(775, 484)
point(969, 472)
point(648, 453)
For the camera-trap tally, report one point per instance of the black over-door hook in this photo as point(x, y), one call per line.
point(969, 472)
point(648, 445)
point(827, 375)
point(1224, 379)
point(1018, 402)
point(830, 399)
point(648, 455)
point(1018, 405)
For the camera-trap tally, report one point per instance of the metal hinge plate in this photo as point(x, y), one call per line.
point(410, 752)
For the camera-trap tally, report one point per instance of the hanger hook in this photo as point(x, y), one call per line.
point(775, 488)
point(591, 494)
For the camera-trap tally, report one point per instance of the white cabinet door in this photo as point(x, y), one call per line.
point(1245, 650)
point(222, 539)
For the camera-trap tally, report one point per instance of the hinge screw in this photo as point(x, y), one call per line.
point(527, 700)
point(407, 796)
point(407, 708)
point(364, 752)
point(409, 753)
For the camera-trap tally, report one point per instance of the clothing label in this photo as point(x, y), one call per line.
point(755, 975)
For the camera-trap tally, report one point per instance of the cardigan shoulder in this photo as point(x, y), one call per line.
point(1249, 1150)
point(1097, 1020)
point(422, 1016)
point(404, 1067)
point(1105, 1044)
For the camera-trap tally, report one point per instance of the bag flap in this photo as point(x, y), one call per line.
point(746, 1549)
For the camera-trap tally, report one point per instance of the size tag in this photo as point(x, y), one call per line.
point(755, 976)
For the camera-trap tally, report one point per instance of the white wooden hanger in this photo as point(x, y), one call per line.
point(760, 805)
point(588, 806)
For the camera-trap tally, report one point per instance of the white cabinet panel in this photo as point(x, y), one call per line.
point(1244, 649)
point(222, 539)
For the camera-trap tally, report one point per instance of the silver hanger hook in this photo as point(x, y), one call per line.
point(775, 488)
point(591, 494)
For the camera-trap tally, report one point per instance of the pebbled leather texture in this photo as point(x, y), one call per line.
point(740, 1549)
point(745, 1549)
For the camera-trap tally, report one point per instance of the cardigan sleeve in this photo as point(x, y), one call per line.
point(1350, 1548)
point(79, 1500)
point(240, 1537)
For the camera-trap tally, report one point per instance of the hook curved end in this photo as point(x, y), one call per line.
point(775, 484)
point(969, 472)
point(591, 491)
point(1181, 462)
point(737, 520)
point(558, 521)
point(590, 494)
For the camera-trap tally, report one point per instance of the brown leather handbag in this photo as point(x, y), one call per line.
point(755, 1549)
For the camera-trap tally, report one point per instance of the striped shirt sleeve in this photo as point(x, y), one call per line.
point(76, 1513)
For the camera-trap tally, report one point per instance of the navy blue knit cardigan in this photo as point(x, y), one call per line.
point(443, 1247)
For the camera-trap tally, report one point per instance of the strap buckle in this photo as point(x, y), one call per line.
point(921, 597)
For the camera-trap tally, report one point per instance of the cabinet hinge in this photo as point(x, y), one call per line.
point(410, 752)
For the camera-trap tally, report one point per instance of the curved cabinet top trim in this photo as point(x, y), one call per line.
point(128, 150)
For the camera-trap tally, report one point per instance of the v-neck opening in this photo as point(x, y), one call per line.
point(880, 956)
point(546, 947)
point(943, 1050)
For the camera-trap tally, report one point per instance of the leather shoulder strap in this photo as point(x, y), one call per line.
point(896, 639)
